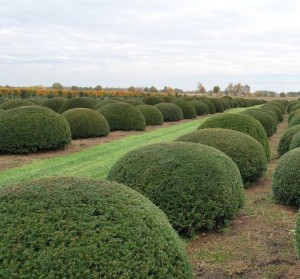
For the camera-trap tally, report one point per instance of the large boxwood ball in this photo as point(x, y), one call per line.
point(244, 150)
point(83, 102)
point(242, 123)
point(15, 103)
point(186, 107)
point(286, 139)
point(295, 143)
point(152, 115)
point(32, 128)
point(107, 102)
point(286, 179)
point(55, 103)
point(83, 228)
point(295, 120)
point(212, 108)
point(123, 116)
point(86, 123)
point(197, 186)
point(134, 101)
point(274, 108)
point(152, 100)
point(218, 104)
point(170, 112)
point(200, 107)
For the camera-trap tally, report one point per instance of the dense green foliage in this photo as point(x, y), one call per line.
point(211, 106)
point(32, 128)
point(186, 107)
point(295, 143)
point(123, 116)
point(218, 104)
point(286, 179)
point(152, 100)
point(200, 107)
point(295, 120)
point(275, 109)
point(286, 139)
point(83, 228)
point(152, 115)
point(242, 123)
point(170, 111)
point(86, 123)
point(167, 99)
point(244, 150)
point(197, 186)
point(55, 103)
point(83, 102)
point(134, 101)
point(15, 103)
point(107, 102)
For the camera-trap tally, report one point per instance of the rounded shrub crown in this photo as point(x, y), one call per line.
point(295, 120)
point(106, 102)
point(152, 115)
point(286, 179)
point(15, 103)
point(274, 108)
point(244, 150)
point(55, 103)
point(186, 107)
point(134, 101)
point(86, 123)
point(242, 123)
point(170, 112)
point(286, 139)
point(212, 108)
point(200, 107)
point(218, 104)
point(123, 116)
point(83, 228)
point(152, 100)
point(197, 186)
point(30, 129)
point(295, 143)
point(78, 103)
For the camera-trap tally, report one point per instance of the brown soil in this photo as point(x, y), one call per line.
point(259, 243)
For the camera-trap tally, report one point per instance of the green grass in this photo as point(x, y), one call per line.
point(95, 162)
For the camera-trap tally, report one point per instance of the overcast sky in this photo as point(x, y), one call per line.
point(151, 42)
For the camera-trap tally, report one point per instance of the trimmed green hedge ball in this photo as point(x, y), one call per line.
point(84, 228)
point(83, 102)
point(55, 103)
point(10, 104)
point(152, 100)
point(218, 104)
point(152, 115)
point(200, 107)
point(170, 112)
point(135, 102)
point(197, 186)
point(186, 107)
point(286, 139)
point(107, 102)
point(212, 108)
point(295, 143)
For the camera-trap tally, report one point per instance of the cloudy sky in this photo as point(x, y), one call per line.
point(176, 43)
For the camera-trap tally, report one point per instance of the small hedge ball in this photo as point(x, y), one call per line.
point(152, 100)
point(106, 102)
point(135, 102)
point(186, 107)
point(55, 103)
point(84, 228)
point(212, 108)
point(218, 104)
point(10, 104)
point(274, 108)
point(295, 143)
point(286, 179)
point(286, 139)
point(197, 186)
point(123, 116)
point(244, 150)
point(170, 112)
point(295, 120)
point(200, 107)
point(152, 115)
point(242, 123)
point(82, 102)
point(32, 128)
point(86, 123)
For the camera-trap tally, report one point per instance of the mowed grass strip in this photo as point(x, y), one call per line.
point(95, 162)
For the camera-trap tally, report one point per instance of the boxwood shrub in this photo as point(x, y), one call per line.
point(32, 128)
point(200, 107)
point(83, 102)
point(186, 107)
point(55, 103)
point(286, 179)
point(286, 139)
point(212, 108)
point(274, 108)
point(123, 116)
point(107, 102)
point(170, 112)
point(242, 123)
point(84, 228)
point(295, 120)
point(152, 100)
point(197, 186)
point(244, 150)
point(295, 143)
point(218, 104)
point(167, 99)
point(86, 123)
point(134, 101)
point(152, 115)
point(15, 103)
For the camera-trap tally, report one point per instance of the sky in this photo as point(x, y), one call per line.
point(151, 42)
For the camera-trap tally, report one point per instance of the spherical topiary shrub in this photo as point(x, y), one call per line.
point(170, 112)
point(264, 118)
point(32, 128)
point(152, 115)
point(55, 103)
point(293, 113)
point(197, 186)
point(244, 150)
point(135, 102)
point(123, 116)
point(167, 99)
point(275, 109)
point(186, 107)
point(82, 102)
point(200, 107)
point(152, 100)
point(286, 139)
point(84, 228)
point(295, 120)
point(212, 108)
point(15, 103)
point(295, 143)
point(242, 123)
point(286, 179)
point(86, 123)
point(218, 104)
point(107, 102)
